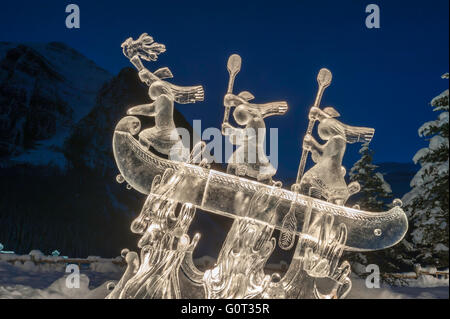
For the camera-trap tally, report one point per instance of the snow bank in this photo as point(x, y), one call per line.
point(425, 287)
point(360, 291)
point(57, 290)
point(427, 281)
point(26, 280)
point(36, 261)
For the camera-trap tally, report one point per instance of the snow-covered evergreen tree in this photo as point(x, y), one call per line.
point(428, 201)
point(375, 191)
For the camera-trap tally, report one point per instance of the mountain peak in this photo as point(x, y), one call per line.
point(45, 89)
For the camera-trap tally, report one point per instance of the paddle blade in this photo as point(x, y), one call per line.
point(324, 77)
point(289, 225)
point(234, 64)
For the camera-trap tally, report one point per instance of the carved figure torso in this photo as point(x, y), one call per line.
point(163, 136)
point(328, 174)
point(250, 151)
point(249, 158)
point(326, 178)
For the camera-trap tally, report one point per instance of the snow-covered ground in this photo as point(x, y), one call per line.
point(426, 287)
point(25, 279)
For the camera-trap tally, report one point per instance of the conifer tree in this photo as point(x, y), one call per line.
point(375, 192)
point(428, 202)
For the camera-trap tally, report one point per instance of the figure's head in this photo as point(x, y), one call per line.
point(330, 127)
point(158, 88)
point(241, 115)
point(352, 134)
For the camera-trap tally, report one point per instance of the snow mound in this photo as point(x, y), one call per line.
point(426, 287)
point(427, 281)
point(57, 290)
point(26, 280)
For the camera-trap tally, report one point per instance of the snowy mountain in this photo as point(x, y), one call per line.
point(45, 89)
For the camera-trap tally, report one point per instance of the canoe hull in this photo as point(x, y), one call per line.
point(230, 195)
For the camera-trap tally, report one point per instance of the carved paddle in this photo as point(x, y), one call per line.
point(287, 237)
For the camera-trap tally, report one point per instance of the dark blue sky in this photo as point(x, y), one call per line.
point(383, 78)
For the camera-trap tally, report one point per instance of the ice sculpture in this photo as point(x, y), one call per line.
point(312, 216)
point(163, 137)
point(163, 244)
point(249, 159)
point(326, 178)
point(239, 270)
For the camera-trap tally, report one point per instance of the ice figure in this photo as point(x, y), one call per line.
point(311, 216)
point(326, 178)
point(239, 271)
point(249, 159)
point(163, 137)
point(287, 237)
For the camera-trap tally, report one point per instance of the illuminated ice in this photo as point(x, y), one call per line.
point(312, 217)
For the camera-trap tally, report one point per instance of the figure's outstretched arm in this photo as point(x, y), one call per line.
point(273, 108)
point(143, 109)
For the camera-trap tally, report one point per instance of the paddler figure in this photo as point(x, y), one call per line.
point(163, 137)
point(249, 159)
point(326, 178)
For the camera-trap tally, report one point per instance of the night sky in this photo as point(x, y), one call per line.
point(382, 78)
